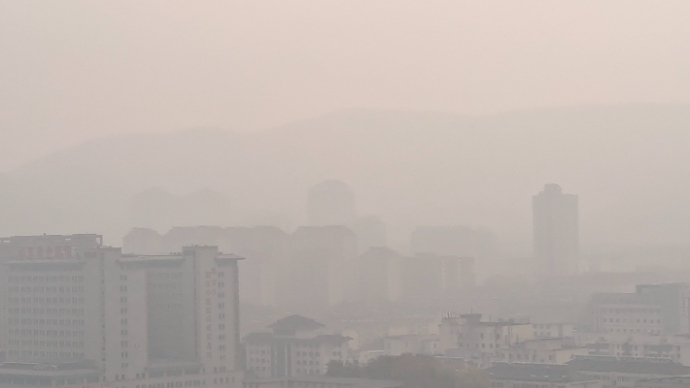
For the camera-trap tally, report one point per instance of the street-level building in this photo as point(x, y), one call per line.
point(623, 373)
point(538, 376)
point(664, 382)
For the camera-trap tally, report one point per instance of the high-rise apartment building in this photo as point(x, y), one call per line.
point(266, 245)
point(77, 313)
point(556, 231)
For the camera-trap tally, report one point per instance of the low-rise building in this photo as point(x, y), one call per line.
point(297, 346)
point(503, 375)
point(623, 373)
point(664, 382)
point(543, 351)
point(553, 330)
point(479, 341)
point(655, 309)
point(675, 348)
point(319, 381)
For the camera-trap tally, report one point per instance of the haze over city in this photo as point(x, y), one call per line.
point(345, 194)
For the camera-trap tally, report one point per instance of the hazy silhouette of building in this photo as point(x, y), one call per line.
point(265, 246)
point(556, 231)
point(331, 202)
point(379, 276)
point(370, 231)
point(322, 267)
point(452, 241)
point(266, 249)
point(428, 277)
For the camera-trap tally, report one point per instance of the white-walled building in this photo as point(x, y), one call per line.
point(80, 314)
point(553, 330)
point(674, 348)
point(296, 346)
point(653, 309)
point(541, 351)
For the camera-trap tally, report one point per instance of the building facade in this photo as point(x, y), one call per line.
point(655, 309)
point(81, 314)
point(622, 373)
point(556, 231)
point(428, 277)
point(480, 342)
point(296, 346)
point(331, 202)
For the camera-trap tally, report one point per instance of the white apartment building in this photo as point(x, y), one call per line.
point(477, 341)
point(553, 330)
point(542, 351)
point(80, 314)
point(296, 346)
point(655, 309)
point(674, 348)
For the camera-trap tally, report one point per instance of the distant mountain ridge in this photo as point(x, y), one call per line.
point(629, 164)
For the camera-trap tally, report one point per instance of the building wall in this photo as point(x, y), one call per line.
point(553, 330)
point(556, 231)
point(172, 310)
point(542, 384)
point(286, 357)
point(101, 309)
point(126, 335)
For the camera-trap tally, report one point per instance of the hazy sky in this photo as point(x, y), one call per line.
point(70, 70)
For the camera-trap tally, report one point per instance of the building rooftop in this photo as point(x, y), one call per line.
point(536, 372)
point(683, 381)
point(295, 323)
point(662, 367)
point(268, 337)
point(341, 381)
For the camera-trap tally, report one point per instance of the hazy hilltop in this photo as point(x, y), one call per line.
point(629, 164)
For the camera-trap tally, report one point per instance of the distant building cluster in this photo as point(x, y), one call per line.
point(166, 312)
point(339, 257)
